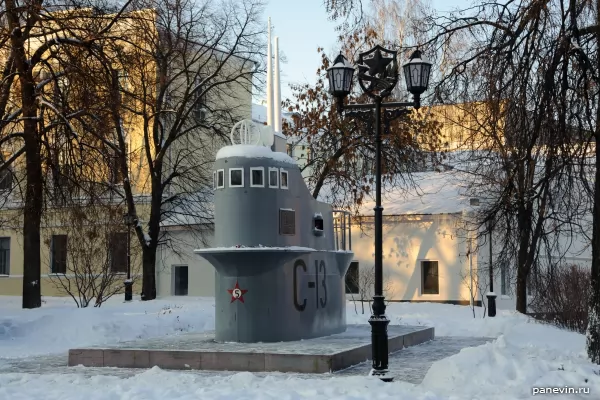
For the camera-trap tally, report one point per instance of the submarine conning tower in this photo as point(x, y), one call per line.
point(279, 276)
point(261, 199)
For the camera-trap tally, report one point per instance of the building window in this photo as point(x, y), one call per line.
point(290, 150)
point(123, 78)
point(257, 177)
point(284, 179)
point(6, 179)
point(4, 256)
point(61, 88)
point(352, 278)
point(58, 254)
point(531, 281)
point(199, 99)
point(431, 283)
point(236, 177)
point(180, 280)
point(221, 179)
point(273, 178)
point(116, 173)
point(214, 179)
point(117, 252)
point(116, 177)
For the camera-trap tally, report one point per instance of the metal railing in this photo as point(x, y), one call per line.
point(342, 228)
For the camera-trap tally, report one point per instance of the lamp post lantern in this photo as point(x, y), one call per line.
point(128, 220)
point(377, 77)
point(340, 78)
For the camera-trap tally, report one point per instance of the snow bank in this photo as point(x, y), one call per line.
point(58, 325)
point(251, 151)
point(526, 354)
point(156, 384)
point(448, 320)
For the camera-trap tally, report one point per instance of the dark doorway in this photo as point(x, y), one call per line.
point(180, 280)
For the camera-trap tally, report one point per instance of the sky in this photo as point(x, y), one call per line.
point(302, 27)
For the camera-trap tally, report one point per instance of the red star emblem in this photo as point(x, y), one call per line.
point(237, 293)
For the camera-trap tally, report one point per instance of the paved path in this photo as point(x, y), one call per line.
point(409, 365)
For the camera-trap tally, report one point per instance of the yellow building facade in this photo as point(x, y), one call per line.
point(88, 242)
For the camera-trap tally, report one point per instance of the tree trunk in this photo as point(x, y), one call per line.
point(149, 250)
point(33, 201)
point(31, 226)
point(33, 166)
point(523, 264)
point(593, 329)
point(521, 305)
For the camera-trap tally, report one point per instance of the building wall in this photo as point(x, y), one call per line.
point(179, 252)
point(12, 283)
point(409, 240)
point(238, 101)
point(572, 249)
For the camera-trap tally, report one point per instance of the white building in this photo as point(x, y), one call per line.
point(425, 256)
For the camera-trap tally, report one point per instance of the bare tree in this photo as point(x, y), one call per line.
point(364, 281)
point(178, 75)
point(522, 133)
point(33, 36)
point(95, 263)
point(473, 280)
point(562, 296)
point(338, 153)
point(536, 66)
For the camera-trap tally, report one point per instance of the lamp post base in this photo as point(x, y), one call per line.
point(491, 298)
point(379, 340)
point(383, 374)
point(128, 290)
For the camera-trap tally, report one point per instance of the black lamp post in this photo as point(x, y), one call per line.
point(377, 76)
point(491, 296)
point(128, 220)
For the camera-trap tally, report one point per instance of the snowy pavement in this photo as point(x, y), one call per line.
point(460, 364)
point(411, 364)
point(408, 365)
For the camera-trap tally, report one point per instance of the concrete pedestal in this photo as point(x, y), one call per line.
point(200, 352)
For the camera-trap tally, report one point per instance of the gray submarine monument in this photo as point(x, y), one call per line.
point(279, 273)
point(279, 278)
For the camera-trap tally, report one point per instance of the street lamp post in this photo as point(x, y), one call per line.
point(491, 296)
point(377, 76)
point(128, 220)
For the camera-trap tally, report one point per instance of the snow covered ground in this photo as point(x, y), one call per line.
point(524, 355)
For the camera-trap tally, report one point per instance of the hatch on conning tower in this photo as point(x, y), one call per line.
point(248, 132)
